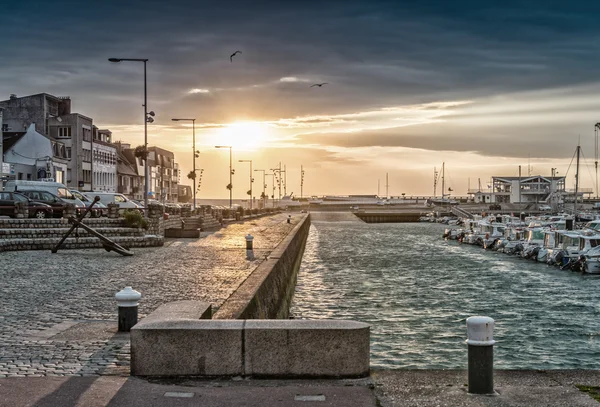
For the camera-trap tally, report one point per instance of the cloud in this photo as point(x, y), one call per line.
point(292, 79)
point(198, 90)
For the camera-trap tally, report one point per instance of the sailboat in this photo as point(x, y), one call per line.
point(445, 199)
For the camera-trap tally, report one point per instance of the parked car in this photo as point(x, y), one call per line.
point(56, 188)
point(99, 209)
point(36, 209)
point(58, 204)
point(111, 197)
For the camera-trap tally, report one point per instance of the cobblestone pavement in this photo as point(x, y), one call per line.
point(58, 314)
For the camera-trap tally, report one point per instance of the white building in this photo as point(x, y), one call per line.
point(104, 161)
point(535, 189)
point(33, 156)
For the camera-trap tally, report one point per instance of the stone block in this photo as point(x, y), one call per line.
point(305, 348)
point(180, 310)
point(186, 347)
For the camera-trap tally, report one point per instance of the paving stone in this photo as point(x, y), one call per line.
point(44, 294)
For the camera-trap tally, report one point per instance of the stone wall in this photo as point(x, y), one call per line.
point(177, 340)
point(268, 291)
point(43, 234)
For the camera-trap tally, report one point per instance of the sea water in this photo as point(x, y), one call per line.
point(416, 291)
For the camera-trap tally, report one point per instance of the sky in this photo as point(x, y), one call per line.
point(483, 87)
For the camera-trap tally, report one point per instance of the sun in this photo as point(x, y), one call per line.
point(245, 136)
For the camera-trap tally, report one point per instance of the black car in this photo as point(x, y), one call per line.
point(36, 209)
point(57, 204)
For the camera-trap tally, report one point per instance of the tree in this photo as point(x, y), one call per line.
point(140, 152)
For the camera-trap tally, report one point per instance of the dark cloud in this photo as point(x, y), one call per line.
point(373, 53)
point(491, 141)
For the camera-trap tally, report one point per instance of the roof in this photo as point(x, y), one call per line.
point(10, 138)
point(529, 177)
point(124, 169)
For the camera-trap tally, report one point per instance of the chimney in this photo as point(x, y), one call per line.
point(13, 96)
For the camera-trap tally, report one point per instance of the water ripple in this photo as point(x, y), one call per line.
point(416, 290)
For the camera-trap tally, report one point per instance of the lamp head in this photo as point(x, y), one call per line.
point(175, 120)
point(151, 113)
point(114, 59)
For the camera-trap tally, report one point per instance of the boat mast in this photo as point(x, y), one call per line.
point(576, 184)
point(387, 186)
point(596, 128)
point(435, 179)
point(443, 181)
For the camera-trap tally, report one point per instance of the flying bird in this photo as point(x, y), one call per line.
point(319, 84)
point(234, 54)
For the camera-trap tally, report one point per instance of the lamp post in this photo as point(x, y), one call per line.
point(264, 186)
point(231, 171)
point(273, 196)
point(196, 153)
point(251, 179)
point(147, 119)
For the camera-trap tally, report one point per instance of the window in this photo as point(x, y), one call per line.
point(20, 175)
point(17, 197)
point(28, 177)
point(65, 193)
point(64, 132)
point(119, 198)
point(87, 134)
point(46, 196)
point(68, 152)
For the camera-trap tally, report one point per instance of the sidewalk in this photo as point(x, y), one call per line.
point(422, 388)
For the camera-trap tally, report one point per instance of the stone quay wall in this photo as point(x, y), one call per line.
point(267, 293)
point(180, 339)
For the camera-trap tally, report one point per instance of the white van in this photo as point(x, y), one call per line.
point(111, 197)
point(56, 188)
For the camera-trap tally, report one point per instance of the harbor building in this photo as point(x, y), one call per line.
point(536, 189)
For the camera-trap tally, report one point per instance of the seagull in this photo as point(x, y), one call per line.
point(234, 54)
point(319, 84)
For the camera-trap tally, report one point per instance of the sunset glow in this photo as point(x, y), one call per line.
point(242, 136)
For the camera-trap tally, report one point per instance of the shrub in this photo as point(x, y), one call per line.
point(135, 219)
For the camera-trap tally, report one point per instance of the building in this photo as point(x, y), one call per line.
point(164, 175)
point(31, 155)
point(104, 164)
point(130, 172)
point(3, 171)
point(529, 190)
point(53, 118)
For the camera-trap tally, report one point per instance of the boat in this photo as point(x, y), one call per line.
point(445, 199)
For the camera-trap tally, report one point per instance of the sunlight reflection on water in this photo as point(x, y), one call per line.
point(416, 290)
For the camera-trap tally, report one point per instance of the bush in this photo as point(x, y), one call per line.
point(135, 219)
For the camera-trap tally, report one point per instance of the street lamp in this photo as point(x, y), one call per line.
point(251, 179)
point(274, 179)
point(148, 118)
point(196, 153)
point(264, 186)
point(231, 171)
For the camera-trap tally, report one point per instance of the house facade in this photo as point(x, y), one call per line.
point(104, 161)
point(164, 175)
point(31, 155)
point(53, 118)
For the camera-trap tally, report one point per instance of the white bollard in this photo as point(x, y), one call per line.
point(127, 301)
point(480, 338)
point(249, 248)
